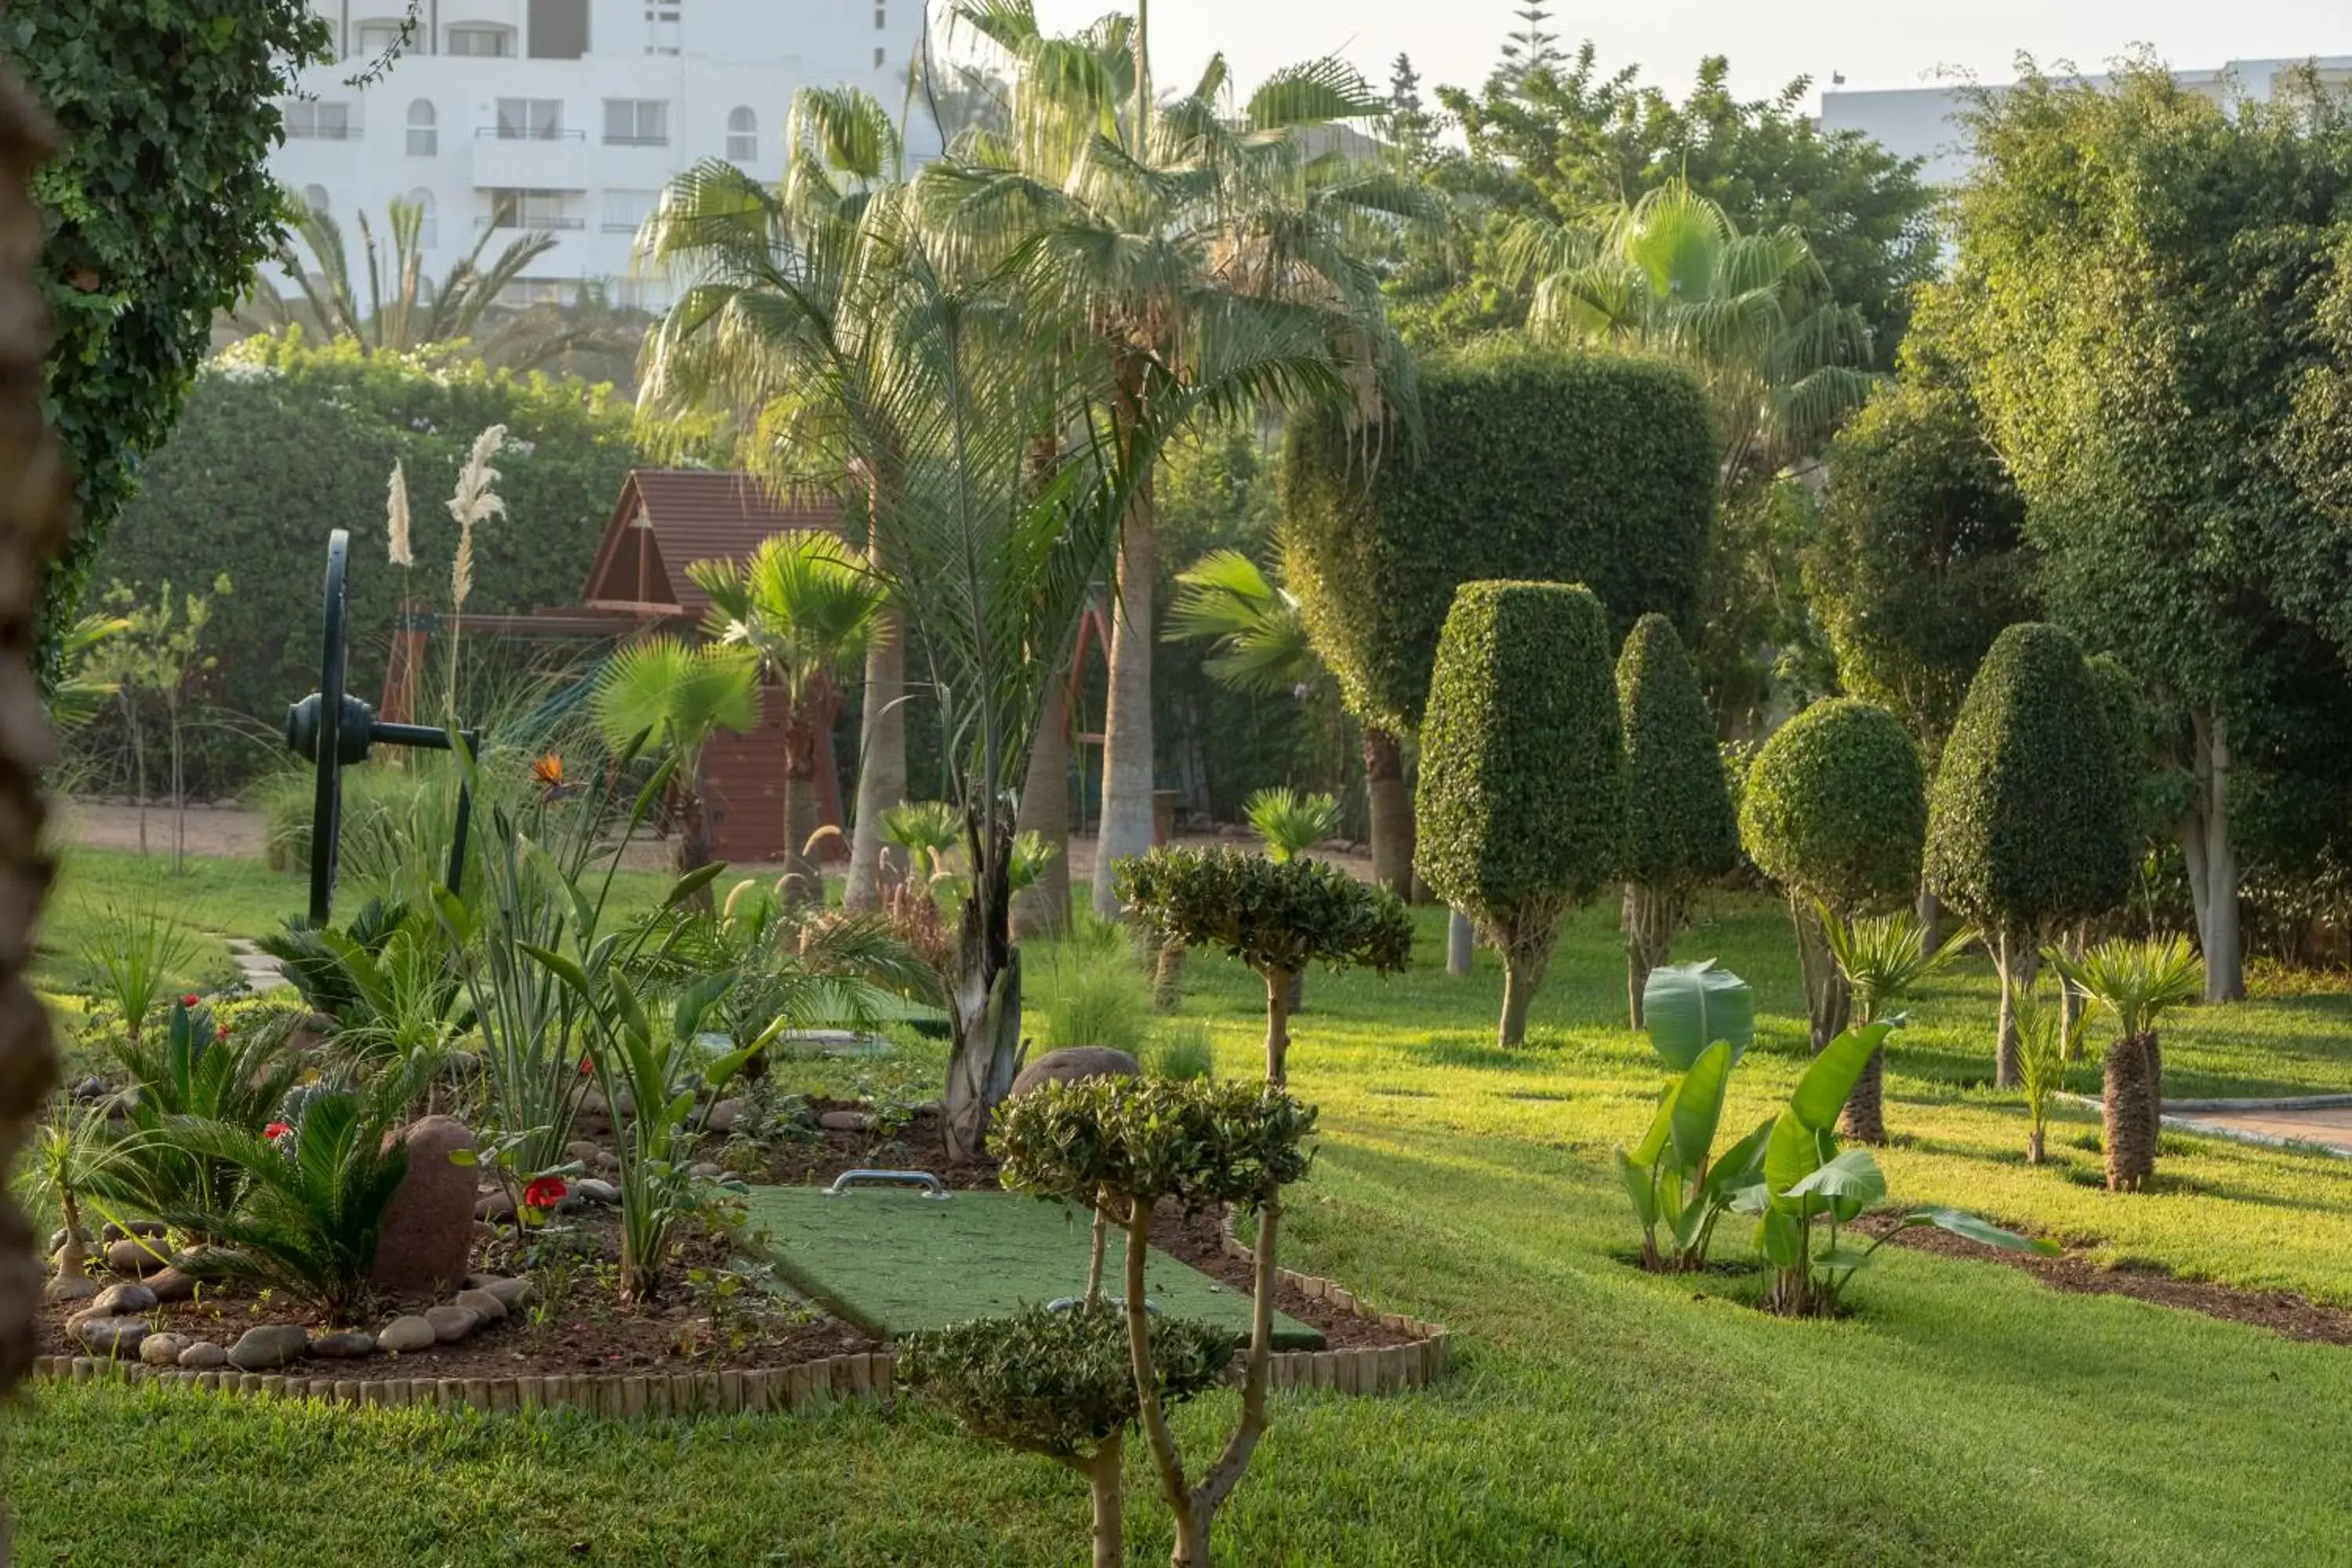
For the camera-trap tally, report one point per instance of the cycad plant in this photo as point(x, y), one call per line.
point(2136, 982)
point(201, 1070)
point(806, 607)
point(1291, 823)
point(927, 830)
point(1885, 959)
point(678, 697)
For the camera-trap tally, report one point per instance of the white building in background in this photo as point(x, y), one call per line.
point(1925, 122)
point(567, 116)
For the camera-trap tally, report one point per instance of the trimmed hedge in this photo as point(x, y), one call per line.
point(1680, 827)
point(1589, 469)
point(1835, 807)
point(2031, 822)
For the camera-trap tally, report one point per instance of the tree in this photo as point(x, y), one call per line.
point(155, 655)
point(677, 698)
point(1165, 226)
point(155, 213)
point(1835, 811)
point(2030, 827)
point(1681, 829)
point(1530, 48)
point(804, 606)
point(417, 311)
point(1881, 959)
point(2137, 983)
point(1522, 799)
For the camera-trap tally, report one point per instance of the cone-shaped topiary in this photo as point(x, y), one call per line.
point(1680, 827)
point(1522, 801)
point(1835, 812)
point(2031, 826)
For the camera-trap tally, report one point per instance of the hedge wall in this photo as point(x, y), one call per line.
point(1835, 807)
point(1588, 468)
point(1680, 826)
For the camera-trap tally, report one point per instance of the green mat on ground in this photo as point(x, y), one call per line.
point(893, 1261)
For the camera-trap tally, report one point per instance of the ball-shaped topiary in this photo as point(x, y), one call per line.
point(1680, 826)
point(1522, 798)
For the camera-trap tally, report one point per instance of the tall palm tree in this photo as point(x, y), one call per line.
point(1158, 228)
point(805, 606)
point(678, 697)
point(415, 311)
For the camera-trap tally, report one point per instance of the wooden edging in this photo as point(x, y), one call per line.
point(1366, 1369)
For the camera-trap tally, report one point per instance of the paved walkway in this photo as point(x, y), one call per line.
point(2328, 1126)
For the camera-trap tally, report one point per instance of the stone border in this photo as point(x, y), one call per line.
point(1366, 1369)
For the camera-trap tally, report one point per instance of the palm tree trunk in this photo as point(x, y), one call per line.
point(2217, 859)
point(1042, 908)
point(881, 762)
point(690, 850)
point(803, 884)
point(1390, 808)
point(1128, 767)
point(1864, 1117)
point(2128, 1133)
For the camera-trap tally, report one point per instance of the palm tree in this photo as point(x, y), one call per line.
point(805, 605)
point(1885, 958)
point(1257, 638)
point(678, 697)
point(1159, 228)
point(417, 312)
point(2138, 983)
point(1289, 823)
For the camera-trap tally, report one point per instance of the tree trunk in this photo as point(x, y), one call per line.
point(2127, 1130)
point(1128, 756)
point(1277, 1027)
point(984, 1000)
point(803, 880)
point(1524, 963)
point(2152, 1070)
point(1930, 910)
point(2019, 958)
point(1168, 977)
point(1103, 1481)
point(2035, 1150)
point(1389, 805)
point(1655, 916)
point(2225, 975)
point(1042, 908)
point(1828, 1002)
point(73, 1257)
point(1864, 1117)
point(1461, 943)
point(690, 848)
point(179, 794)
point(881, 762)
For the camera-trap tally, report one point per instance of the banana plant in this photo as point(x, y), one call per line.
point(1811, 1191)
point(1700, 1020)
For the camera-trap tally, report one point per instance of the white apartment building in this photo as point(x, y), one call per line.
point(566, 116)
point(1925, 122)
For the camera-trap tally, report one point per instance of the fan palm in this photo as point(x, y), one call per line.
point(1156, 228)
point(1257, 635)
point(86, 687)
point(804, 606)
point(2137, 983)
point(1885, 958)
point(1291, 823)
point(677, 697)
point(416, 312)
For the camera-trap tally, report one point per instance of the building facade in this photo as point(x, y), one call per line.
point(565, 117)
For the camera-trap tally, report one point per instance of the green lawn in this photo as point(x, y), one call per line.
point(1597, 1415)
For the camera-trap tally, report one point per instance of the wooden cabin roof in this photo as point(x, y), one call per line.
point(667, 518)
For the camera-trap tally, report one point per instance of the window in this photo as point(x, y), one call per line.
point(662, 27)
point(881, 18)
point(626, 211)
point(558, 29)
point(428, 218)
point(742, 136)
point(481, 41)
point(377, 39)
point(879, 56)
point(314, 200)
point(313, 119)
point(538, 210)
point(531, 118)
point(424, 129)
point(636, 122)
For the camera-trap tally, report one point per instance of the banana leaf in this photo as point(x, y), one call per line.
point(1687, 1007)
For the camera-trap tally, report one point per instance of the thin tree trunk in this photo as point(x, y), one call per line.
point(2019, 958)
point(984, 999)
point(1103, 1481)
point(881, 761)
point(2036, 1151)
point(803, 880)
point(2127, 1134)
point(2225, 975)
point(1389, 807)
point(1042, 908)
point(1654, 916)
point(2152, 1097)
point(73, 1257)
point(139, 766)
point(179, 794)
point(690, 850)
point(1128, 755)
point(1828, 1002)
point(1277, 1027)
point(1524, 963)
point(1168, 977)
point(1461, 943)
point(1930, 910)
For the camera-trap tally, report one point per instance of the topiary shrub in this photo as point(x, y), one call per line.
point(1120, 1146)
point(1835, 812)
point(1522, 800)
point(2030, 827)
point(1680, 827)
point(1278, 916)
point(1062, 1383)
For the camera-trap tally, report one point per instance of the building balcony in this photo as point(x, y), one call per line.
point(511, 158)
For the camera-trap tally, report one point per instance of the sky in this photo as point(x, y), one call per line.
point(1888, 44)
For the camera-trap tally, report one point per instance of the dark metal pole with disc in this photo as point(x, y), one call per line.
point(334, 729)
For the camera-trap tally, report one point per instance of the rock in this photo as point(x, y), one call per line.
point(131, 1256)
point(344, 1344)
point(69, 1287)
point(114, 1232)
point(512, 1294)
point(123, 1300)
point(607, 1161)
point(268, 1346)
point(451, 1322)
point(428, 1233)
point(106, 1336)
point(592, 1104)
point(173, 1285)
point(725, 1116)
point(596, 1191)
point(203, 1356)
point(90, 1090)
point(706, 1170)
point(483, 1305)
point(928, 1108)
point(403, 1335)
point(495, 1205)
point(582, 1150)
point(162, 1350)
point(57, 1239)
point(845, 1121)
point(1073, 1064)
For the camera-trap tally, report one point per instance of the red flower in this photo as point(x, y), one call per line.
point(586, 1067)
point(221, 1033)
point(275, 1131)
point(548, 771)
point(545, 1192)
point(190, 1000)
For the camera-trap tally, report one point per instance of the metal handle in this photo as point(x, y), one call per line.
point(932, 1186)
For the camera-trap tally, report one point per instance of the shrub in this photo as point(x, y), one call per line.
point(1533, 464)
point(1096, 999)
point(132, 954)
point(1680, 827)
point(2030, 827)
point(1278, 916)
point(1834, 810)
point(1522, 795)
point(1180, 1049)
point(1881, 959)
point(202, 1072)
point(1701, 1019)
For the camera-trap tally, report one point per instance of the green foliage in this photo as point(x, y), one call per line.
point(1180, 1048)
point(1278, 916)
point(1700, 1020)
point(1885, 958)
point(130, 953)
point(2047, 1039)
point(1835, 807)
point(1521, 807)
point(1290, 822)
point(1687, 1007)
point(204, 1072)
point(1918, 562)
point(1094, 999)
point(2134, 982)
point(1680, 827)
point(155, 213)
point(1530, 465)
point(1058, 1383)
point(2030, 822)
point(677, 695)
point(1199, 1144)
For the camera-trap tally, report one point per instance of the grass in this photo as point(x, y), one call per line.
point(1964, 1414)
